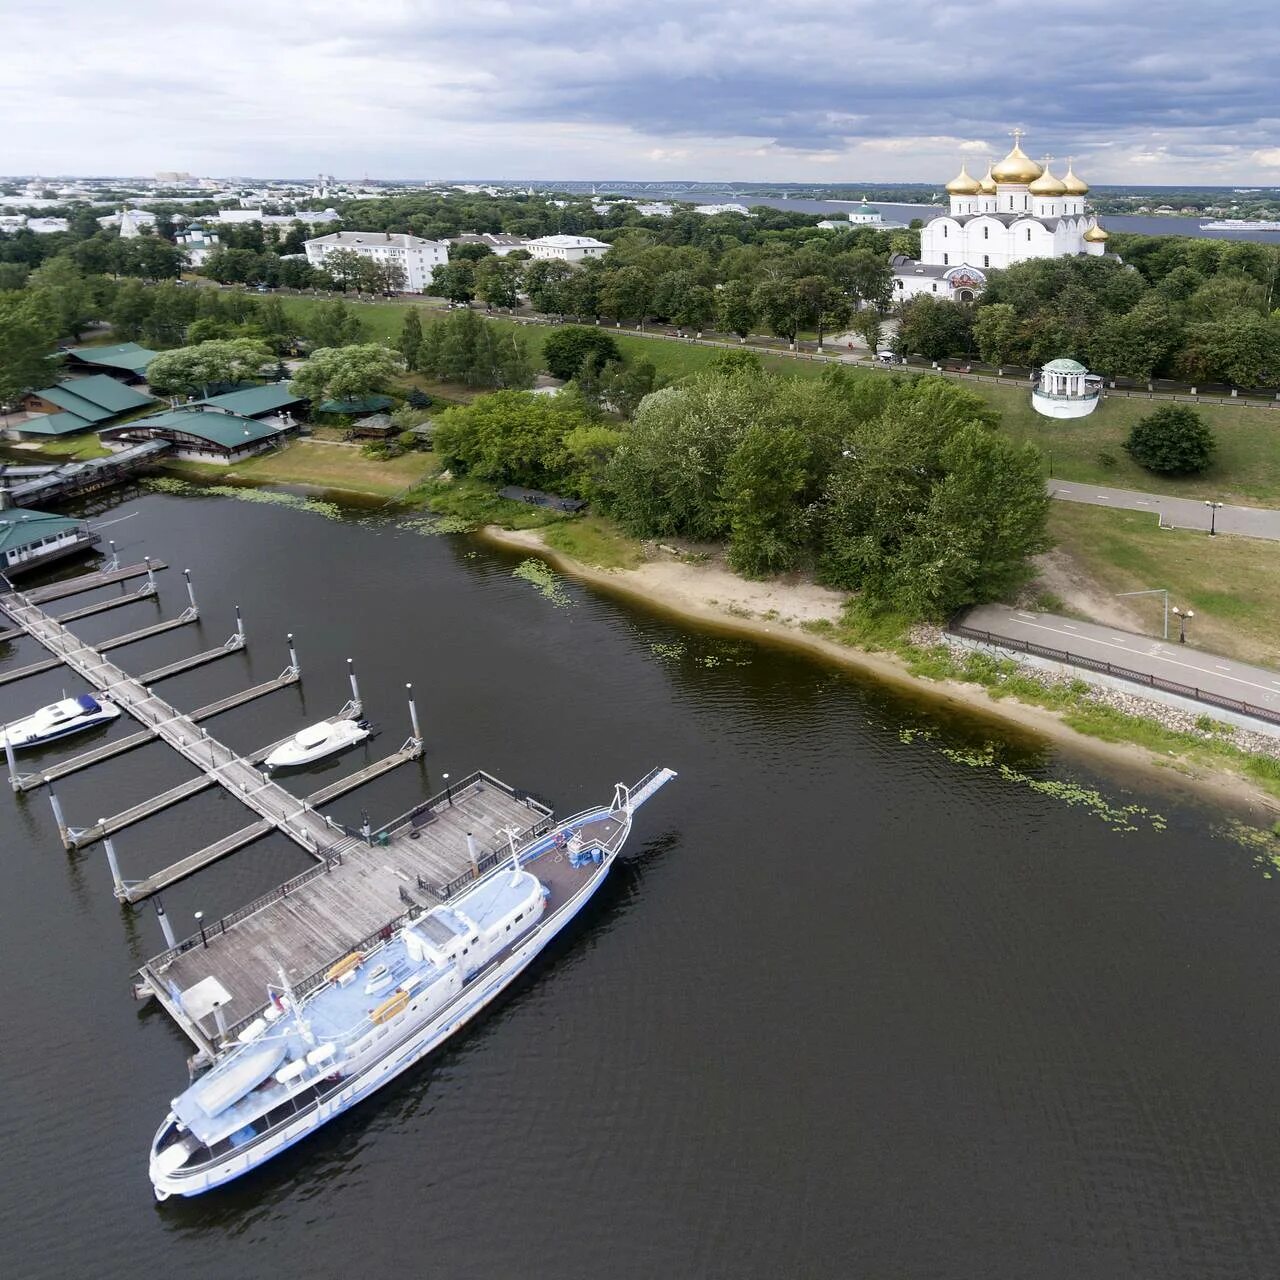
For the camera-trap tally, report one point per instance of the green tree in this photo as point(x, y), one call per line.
point(995, 332)
point(497, 281)
point(60, 285)
point(25, 345)
point(511, 437)
point(626, 294)
point(624, 386)
point(345, 267)
point(546, 281)
point(130, 310)
point(1135, 344)
point(567, 348)
point(196, 369)
point(735, 308)
point(172, 308)
point(1172, 441)
point(1240, 347)
point(934, 328)
point(334, 324)
point(410, 340)
point(346, 373)
point(589, 451)
point(455, 281)
point(764, 479)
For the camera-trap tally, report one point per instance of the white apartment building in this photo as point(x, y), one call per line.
point(417, 257)
point(310, 217)
point(499, 243)
point(567, 248)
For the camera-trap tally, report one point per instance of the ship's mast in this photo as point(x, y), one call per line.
point(304, 1027)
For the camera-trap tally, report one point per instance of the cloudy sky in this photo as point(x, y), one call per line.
point(835, 91)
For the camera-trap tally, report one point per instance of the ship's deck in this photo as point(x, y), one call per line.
point(328, 915)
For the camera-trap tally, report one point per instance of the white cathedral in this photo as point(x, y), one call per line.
point(1018, 211)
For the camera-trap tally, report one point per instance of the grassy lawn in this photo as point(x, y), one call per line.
point(594, 540)
point(326, 466)
point(1229, 582)
point(1246, 468)
point(59, 449)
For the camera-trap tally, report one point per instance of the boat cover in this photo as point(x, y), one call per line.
point(88, 704)
point(313, 735)
point(226, 1084)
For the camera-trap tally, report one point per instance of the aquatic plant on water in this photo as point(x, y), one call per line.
point(540, 574)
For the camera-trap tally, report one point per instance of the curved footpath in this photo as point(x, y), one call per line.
point(1175, 513)
point(711, 595)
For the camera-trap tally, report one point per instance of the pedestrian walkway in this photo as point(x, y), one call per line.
point(1177, 668)
point(1175, 513)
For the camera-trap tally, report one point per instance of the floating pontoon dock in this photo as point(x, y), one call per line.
point(364, 884)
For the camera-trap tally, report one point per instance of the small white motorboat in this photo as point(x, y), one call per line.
point(317, 741)
point(57, 720)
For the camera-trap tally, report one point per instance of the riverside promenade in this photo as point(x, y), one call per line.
point(1146, 660)
point(1174, 513)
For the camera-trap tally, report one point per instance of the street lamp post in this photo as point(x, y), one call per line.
point(1213, 516)
point(1183, 616)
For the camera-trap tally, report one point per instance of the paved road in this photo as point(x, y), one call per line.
point(1168, 660)
point(1180, 513)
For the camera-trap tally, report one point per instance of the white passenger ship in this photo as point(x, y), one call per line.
point(306, 1060)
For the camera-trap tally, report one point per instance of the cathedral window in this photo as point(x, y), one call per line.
point(945, 259)
point(986, 233)
point(1028, 233)
point(986, 259)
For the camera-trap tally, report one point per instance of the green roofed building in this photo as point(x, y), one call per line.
point(363, 404)
point(29, 539)
point(256, 402)
point(78, 404)
point(125, 361)
point(199, 435)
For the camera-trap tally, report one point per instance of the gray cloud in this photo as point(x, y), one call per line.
point(579, 88)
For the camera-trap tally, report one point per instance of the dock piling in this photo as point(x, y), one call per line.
point(9, 760)
point(293, 656)
point(56, 805)
point(113, 560)
point(355, 686)
point(413, 715)
point(117, 880)
point(191, 591)
point(471, 853)
point(240, 626)
point(151, 577)
point(366, 829)
point(170, 938)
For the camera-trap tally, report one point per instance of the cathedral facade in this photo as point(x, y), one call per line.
point(1019, 210)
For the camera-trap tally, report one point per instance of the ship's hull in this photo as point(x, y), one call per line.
point(366, 1080)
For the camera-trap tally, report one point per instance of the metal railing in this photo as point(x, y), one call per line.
point(1270, 715)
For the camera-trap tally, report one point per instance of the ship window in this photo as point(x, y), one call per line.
point(518, 918)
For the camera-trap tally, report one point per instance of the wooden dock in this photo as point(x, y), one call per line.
point(360, 891)
point(145, 592)
point(109, 750)
point(89, 582)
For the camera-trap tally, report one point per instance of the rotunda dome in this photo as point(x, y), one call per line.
point(1073, 184)
point(1016, 167)
point(1047, 185)
point(963, 185)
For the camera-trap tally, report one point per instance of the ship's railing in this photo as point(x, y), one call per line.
point(487, 861)
point(443, 798)
point(332, 858)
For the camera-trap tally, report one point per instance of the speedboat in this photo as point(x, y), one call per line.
point(317, 741)
point(57, 720)
point(307, 1056)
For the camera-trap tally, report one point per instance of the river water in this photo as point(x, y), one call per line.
point(1136, 224)
point(884, 989)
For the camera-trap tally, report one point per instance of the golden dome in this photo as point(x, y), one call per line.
point(963, 185)
point(1017, 166)
point(1047, 185)
point(1096, 235)
point(988, 183)
point(1073, 184)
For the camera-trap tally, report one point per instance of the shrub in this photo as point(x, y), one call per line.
point(1172, 441)
point(565, 350)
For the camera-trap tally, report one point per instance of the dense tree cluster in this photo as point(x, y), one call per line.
point(462, 348)
point(898, 489)
point(1200, 311)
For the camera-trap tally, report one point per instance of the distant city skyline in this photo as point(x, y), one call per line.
point(807, 92)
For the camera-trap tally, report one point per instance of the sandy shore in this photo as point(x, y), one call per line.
point(710, 593)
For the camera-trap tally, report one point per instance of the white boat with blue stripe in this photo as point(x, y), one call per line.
point(58, 720)
point(304, 1061)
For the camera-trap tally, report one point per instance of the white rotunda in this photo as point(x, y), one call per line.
point(1066, 389)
